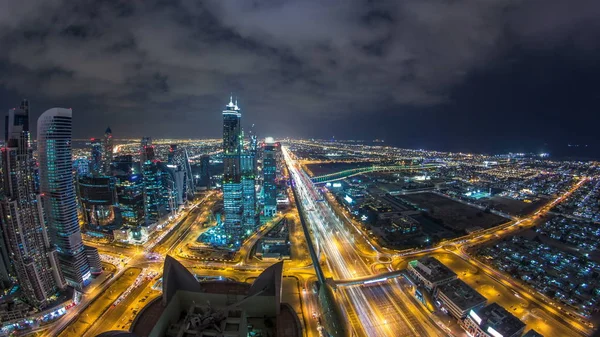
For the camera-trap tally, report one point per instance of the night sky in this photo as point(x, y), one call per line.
point(483, 75)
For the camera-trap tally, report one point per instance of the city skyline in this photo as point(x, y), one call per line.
point(358, 205)
point(300, 168)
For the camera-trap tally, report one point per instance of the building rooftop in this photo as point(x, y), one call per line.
point(496, 317)
point(216, 308)
point(433, 269)
point(533, 333)
point(462, 294)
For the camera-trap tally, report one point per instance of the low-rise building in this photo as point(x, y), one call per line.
point(431, 272)
point(493, 321)
point(458, 298)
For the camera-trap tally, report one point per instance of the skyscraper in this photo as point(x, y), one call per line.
point(249, 215)
point(34, 260)
point(178, 161)
point(96, 164)
point(154, 208)
point(98, 199)
point(232, 186)
point(108, 151)
point(146, 150)
point(270, 149)
point(205, 171)
point(171, 155)
point(239, 196)
point(58, 194)
point(130, 190)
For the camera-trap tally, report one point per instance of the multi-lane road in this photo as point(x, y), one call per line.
point(374, 310)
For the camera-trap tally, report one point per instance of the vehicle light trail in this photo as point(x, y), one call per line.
point(375, 305)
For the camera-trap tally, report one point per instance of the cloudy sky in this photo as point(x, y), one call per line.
point(482, 75)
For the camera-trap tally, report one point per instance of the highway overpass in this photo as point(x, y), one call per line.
point(326, 178)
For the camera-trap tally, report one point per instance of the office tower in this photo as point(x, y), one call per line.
point(171, 155)
point(269, 171)
point(58, 194)
point(154, 208)
point(253, 150)
point(205, 171)
point(146, 150)
point(178, 161)
point(172, 191)
point(184, 161)
point(96, 166)
point(232, 187)
point(108, 151)
point(97, 195)
point(34, 259)
point(130, 190)
point(81, 166)
point(249, 215)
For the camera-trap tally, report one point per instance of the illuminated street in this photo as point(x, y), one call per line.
point(371, 310)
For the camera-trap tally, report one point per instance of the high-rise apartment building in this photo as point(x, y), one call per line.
point(269, 170)
point(32, 257)
point(58, 194)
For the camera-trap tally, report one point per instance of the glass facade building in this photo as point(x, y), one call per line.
point(154, 208)
point(26, 250)
point(58, 194)
point(239, 196)
point(232, 180)
point(98, 199)
point(108, 147)
point(96, 164)
point(270, 154)
point(250, 215)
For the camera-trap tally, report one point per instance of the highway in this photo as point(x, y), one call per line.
point(375, 310)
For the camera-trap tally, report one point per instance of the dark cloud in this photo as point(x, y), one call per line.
point(287, 60)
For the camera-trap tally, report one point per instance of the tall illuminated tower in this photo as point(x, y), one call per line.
point(270, 150)
point(239, 196)
point(34, 260)
point(58, 194)
point(153, 207)
point(232, 187)
point(96, 166)
point(108, 147)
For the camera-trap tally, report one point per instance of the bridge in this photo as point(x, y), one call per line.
point(371, 279)
point(375, 168)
